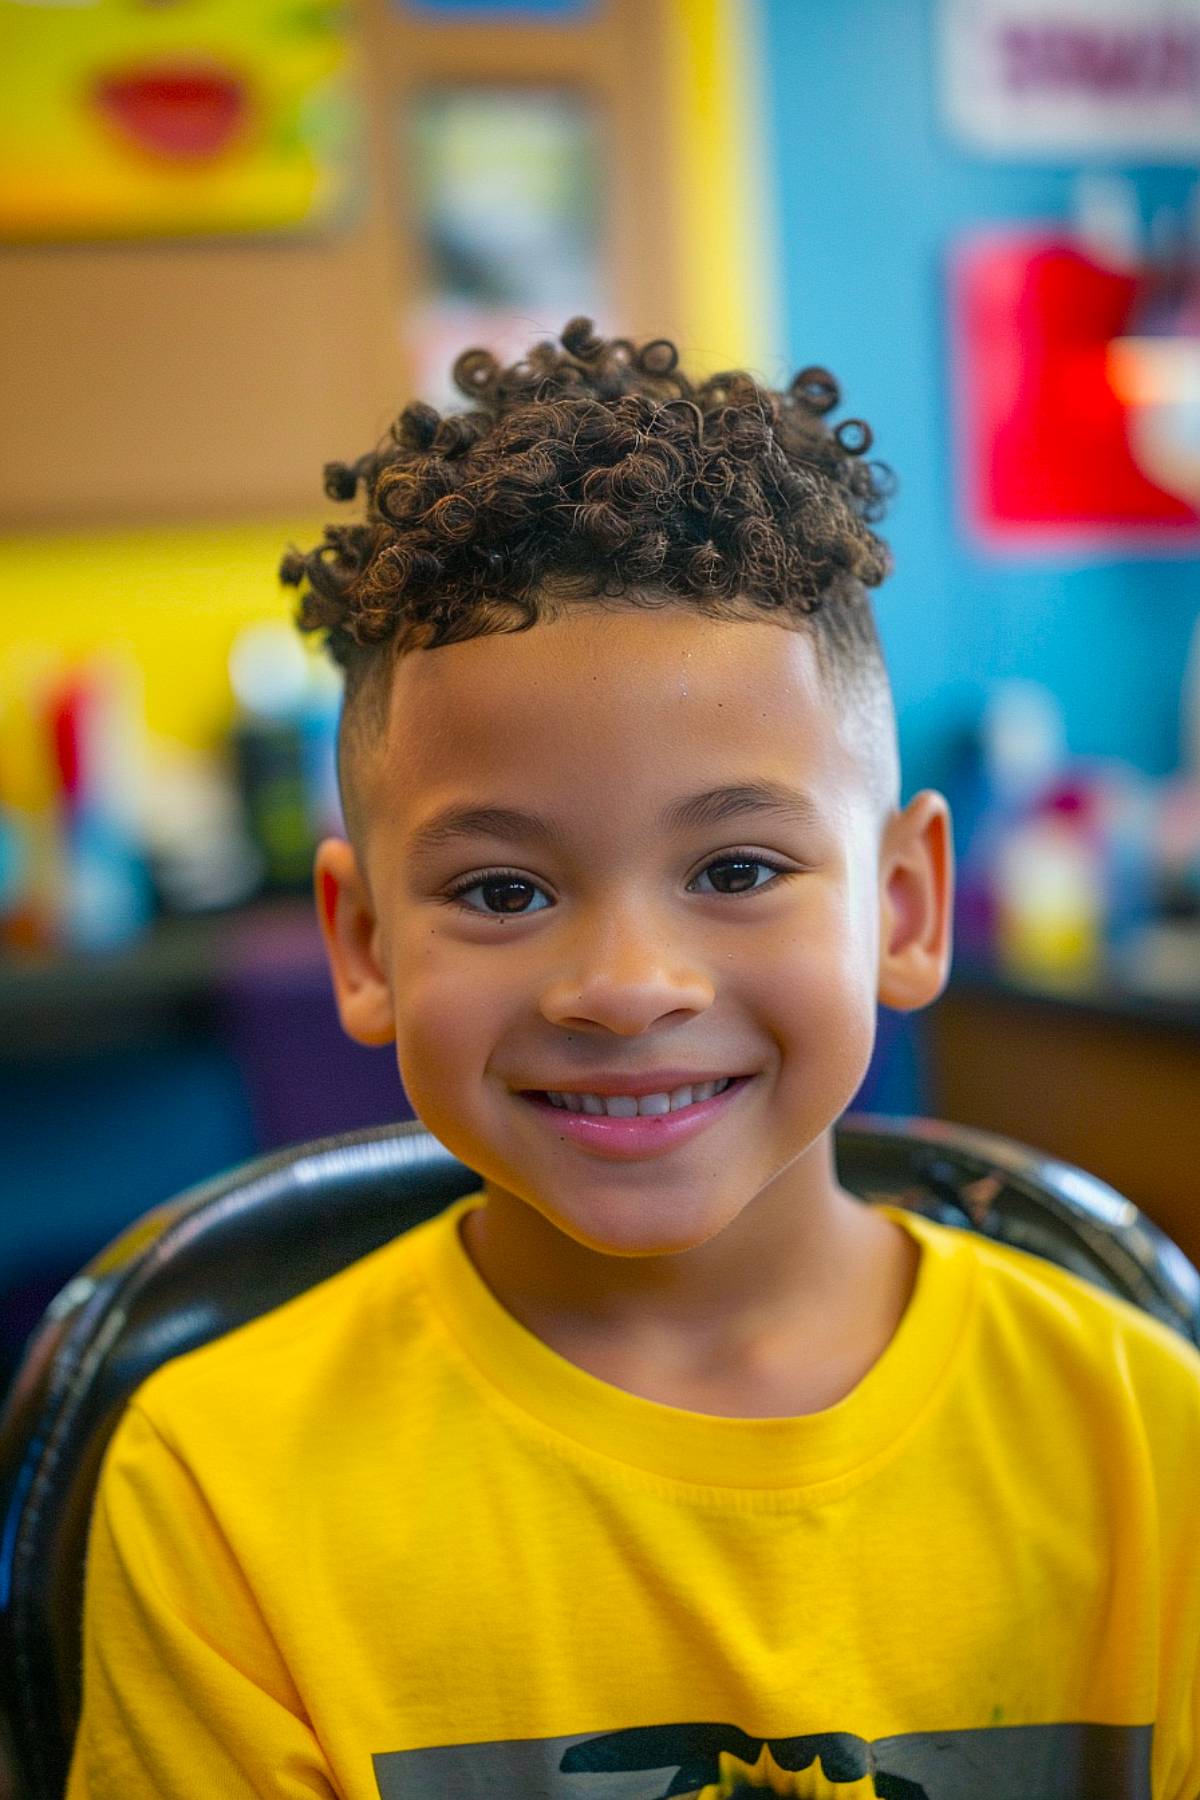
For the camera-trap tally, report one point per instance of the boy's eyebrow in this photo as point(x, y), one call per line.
point(712, 806)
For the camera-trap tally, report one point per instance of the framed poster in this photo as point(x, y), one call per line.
point(506, 186)
point(202, 116)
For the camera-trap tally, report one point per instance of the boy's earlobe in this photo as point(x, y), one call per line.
point(916, 903)
point(347, 919)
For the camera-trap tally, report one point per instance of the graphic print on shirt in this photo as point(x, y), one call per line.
point(717, 1762)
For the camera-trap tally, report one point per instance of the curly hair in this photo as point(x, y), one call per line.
point(596, 469)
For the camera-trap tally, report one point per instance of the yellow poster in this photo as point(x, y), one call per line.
point(151, 118)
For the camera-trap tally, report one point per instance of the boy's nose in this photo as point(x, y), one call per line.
point(626, 983)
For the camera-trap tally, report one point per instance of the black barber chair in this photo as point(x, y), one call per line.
point(250, 1240)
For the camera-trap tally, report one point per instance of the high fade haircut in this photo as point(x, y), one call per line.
point(595, 472)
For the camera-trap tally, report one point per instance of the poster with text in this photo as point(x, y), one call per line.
point(1055, 79)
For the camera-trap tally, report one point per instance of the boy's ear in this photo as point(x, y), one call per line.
point(347, 918)
point(916, 903)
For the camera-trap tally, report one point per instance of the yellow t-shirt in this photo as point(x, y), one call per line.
point(384, 1544)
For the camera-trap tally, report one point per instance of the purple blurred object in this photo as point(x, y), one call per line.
point(304, 1077)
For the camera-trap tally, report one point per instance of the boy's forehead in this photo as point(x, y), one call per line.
point(624, 695)
point(622, 680)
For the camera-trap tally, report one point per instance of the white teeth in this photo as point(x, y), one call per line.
point(622, 1106)
point(627, 1106)
point(654, 1103)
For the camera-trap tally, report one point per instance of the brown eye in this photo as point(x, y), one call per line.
point(504, 891)
point(737, 873)
point(507, 896)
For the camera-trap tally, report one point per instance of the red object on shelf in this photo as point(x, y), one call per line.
point(1044, 439)
point(66, 717)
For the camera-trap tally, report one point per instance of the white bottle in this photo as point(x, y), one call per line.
point(1050, 904)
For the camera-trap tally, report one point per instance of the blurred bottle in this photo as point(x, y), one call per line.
point(33, 836)
point(1020, 749)
point(96, 720)
point(1050, 890)
point(200, 852)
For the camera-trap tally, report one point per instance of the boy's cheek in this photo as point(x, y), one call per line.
point(824, 1020)
point(447, 1029)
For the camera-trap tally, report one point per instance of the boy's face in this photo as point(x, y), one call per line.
point(625, 947)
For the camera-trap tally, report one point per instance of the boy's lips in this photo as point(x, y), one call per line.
point(655, 1081)
point(646, 1134)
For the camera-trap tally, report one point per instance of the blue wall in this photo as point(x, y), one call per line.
point(870, 195)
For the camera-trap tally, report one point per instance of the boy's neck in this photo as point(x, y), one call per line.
point(782, 1313)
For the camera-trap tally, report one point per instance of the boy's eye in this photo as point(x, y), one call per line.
point(502, 890)
point(738, 875)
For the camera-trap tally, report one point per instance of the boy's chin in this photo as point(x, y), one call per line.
point(636, 1229)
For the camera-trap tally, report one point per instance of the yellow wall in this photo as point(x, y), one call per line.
point(174, 597)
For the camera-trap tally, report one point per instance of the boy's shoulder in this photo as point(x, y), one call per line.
point(1066, 1320)
point(359, 1319)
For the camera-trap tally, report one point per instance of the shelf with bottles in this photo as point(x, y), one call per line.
point(107, 834)
point(1079, 878)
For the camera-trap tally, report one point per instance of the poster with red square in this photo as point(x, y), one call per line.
point(1045, 442)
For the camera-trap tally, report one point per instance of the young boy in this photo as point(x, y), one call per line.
point(660, 1465)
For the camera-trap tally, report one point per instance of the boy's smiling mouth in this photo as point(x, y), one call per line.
point(610, 1118)
point(631, 1106)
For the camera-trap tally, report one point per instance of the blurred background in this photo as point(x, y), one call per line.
point(237, 235)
